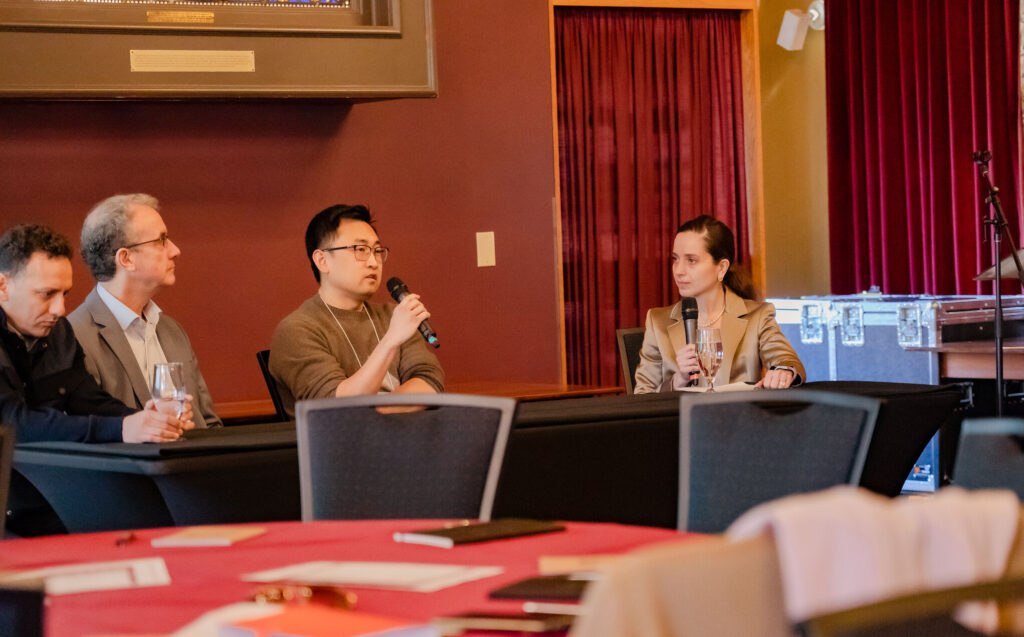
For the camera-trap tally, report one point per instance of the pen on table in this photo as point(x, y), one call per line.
point(125, 539)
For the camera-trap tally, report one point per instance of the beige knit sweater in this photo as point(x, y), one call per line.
point(310, 354)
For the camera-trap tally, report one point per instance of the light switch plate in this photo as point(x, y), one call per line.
point(484, 249)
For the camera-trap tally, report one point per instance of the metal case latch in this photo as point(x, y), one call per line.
point(908, 325)
point(851, 324)
point(812, 323)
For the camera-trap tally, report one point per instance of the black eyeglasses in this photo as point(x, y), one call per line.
point(362, 252)
point(161, 240)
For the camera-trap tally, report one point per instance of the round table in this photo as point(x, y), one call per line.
point(204, 578)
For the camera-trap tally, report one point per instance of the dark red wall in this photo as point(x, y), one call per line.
point(238, 181)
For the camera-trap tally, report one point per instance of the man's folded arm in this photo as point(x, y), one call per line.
point(418, 362)
point(34, 425)
point(96, 415)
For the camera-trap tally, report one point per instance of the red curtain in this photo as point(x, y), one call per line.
point(914, 88)
point(650, 122)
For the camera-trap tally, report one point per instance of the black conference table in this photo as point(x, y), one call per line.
point(616, 458)
point(597, 459)
point(245, 473)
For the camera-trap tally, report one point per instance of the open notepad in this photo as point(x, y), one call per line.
point(93, 576)
point(422, 578)
point(722, 388)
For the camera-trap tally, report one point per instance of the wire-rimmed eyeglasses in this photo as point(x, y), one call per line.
point(161, 241)
point(362, 251)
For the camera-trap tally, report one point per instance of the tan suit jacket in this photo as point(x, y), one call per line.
point(751, 339)
point(109, 358)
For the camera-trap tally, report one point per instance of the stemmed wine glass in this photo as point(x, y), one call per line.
point(169, 388)
point(709, 354)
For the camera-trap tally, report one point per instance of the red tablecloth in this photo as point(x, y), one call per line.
point(205, 578)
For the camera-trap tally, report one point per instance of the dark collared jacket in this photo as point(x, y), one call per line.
point(47, 394)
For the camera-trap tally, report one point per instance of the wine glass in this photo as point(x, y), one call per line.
point(169, 388)
point(709, 354)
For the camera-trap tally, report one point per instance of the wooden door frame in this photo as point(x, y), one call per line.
point(752, 134)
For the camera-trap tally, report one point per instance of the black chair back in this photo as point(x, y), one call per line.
point(630, 339)
point(991, 455)
point(739, 449)
point(22, 611)
point(439, 461)
point(263, 358)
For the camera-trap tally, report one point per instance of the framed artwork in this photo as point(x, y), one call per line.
point(216, 48)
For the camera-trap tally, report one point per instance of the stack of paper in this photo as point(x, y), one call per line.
point(95, 576)
point(422, 578)
point(208, 536)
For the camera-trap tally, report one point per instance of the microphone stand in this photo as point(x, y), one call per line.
point(997, 222)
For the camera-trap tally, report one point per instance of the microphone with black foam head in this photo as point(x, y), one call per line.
point(690, 313)
point(399, 291)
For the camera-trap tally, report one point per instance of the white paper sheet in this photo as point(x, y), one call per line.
point(96, 576)
point(422, 578)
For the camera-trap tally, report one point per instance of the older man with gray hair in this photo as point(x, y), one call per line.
point(123, 332)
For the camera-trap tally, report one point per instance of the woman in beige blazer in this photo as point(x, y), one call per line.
point(755, 350)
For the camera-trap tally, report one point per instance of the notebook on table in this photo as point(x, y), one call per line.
point(564, 588)
point(471, 532)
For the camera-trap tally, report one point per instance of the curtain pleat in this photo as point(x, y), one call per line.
point(914, 87)
point(650, 119)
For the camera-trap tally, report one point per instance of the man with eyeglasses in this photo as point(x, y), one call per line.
point(123, 331)
point(338, 342)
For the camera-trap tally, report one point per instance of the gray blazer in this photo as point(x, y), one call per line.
point(109, 358)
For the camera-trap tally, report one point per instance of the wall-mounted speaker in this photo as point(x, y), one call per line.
point(793, 30)
point(795, 23)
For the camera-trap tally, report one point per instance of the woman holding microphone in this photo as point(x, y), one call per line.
point(754, 350)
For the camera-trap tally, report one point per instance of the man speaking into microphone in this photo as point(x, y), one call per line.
point(338, 342)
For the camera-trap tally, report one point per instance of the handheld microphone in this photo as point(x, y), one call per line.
point(399, 291)
point(690, 313)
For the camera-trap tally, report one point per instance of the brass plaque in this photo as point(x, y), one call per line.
point(192, 61)
point(181, 17)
